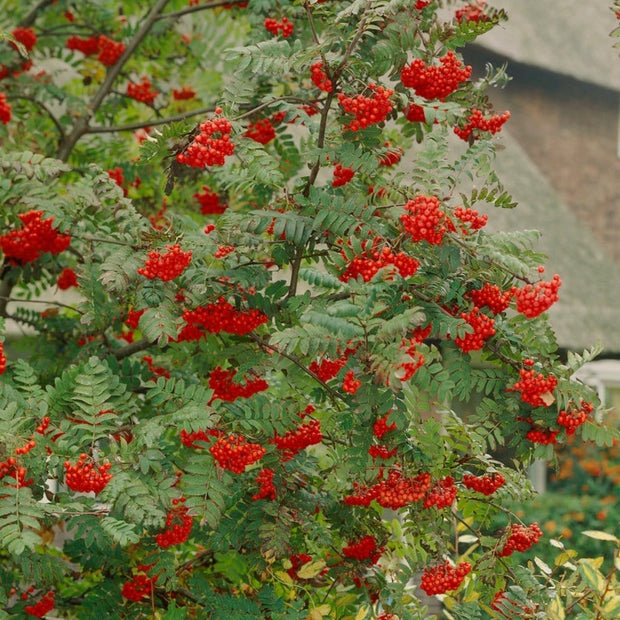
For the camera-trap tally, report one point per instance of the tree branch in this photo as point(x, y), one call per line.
point(82, 124)
point(198, 7)
point(34, 13)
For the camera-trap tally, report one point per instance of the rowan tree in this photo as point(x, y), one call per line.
point(270, 220)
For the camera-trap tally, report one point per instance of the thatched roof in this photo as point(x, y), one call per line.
point(589, 306)
point(570, 37)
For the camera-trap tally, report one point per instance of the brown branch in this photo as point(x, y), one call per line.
point(34, 13)
point(81, 126)
point(198, 7)
point(40, 104)
point(131, 348)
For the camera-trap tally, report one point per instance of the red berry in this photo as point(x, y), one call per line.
point(435, 82)
point(211, 146)
point(143, 91)
point(166, 266)
point(521, 538)
point(443, 577)
point(487, 485)
point(367, 110)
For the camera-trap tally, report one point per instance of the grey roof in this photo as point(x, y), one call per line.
point(589, 307)
point(570, 37)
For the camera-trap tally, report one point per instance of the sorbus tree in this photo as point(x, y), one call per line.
point(278, 276)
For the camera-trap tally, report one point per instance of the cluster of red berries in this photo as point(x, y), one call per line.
point(483, 327)
point(542, 436)
point(235, 453)
point(415, 113)
point(395, 492)
point(262, 131)
point(421, 4)
point(26, 36)
point(367, 110)
point(364, 549)
point(492, 297)
point(342, 175)
point(2, 359)
point(381, 452)
point(476, 124)
point(319, 78)
point(223, 250)
point(425, 220)
point(224, 388)
point(435, 82)
point(35, 238)
point(327, 369)
point(142, 91)
point(297, 440)
point(472, 12)
point(178, 526)
point(189, 439)
point(533, 300)
point(42, 428)
point(109, 51)
point(209, 202)
point(274, 26)
point(442, 494)
point(381, 427)
point(85, 477)
point(211, 146)
point(166, 266)
point(5, 109)
point(368, 266)
point(11, 469)
point(29, 445)
point(471, 217)
point(534, 386)
point(391, 157)
point(42, 607)
point(266, 490)
point(574, 416)
point(219, 317)
point(187, 92)
point(443, 577)
point(116, 174)
point(487, 485)
point(350, 384)
point(67, 279)
point(141, 586)
point(521, 538)
point(88, 47)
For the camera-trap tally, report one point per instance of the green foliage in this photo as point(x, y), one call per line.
point(308, 318)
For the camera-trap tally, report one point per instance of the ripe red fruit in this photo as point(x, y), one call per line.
point(534, 299)
point(534, 386)
point(26, 36)
point(574, 416)
point(472, 12)
point(342, 175)
point(262, 131)
point(367, 110)
point(521, 538)
point(483, 328)
point(211, 146)
point(350, 383)
point(296, 440)
point(142, 91)
point(443, 577)
point(476, 124)
point(85, 476)
point(35, 238)
point(166, 266)
point(275, 26)
point(442, 494)
point(424, 219)
point(42, 607)
point(319, 78)
point(109, 51)
point(2, 359)
point(67, 279)
point(267, 489)
point(235, 453)
point(209, 202)
point(487, 485)
point(5, 109)
point(187, 92)
point(221, 382)
point(492, 297)
point(88, 47)
point(364, 549)
point(435, 82)
point(178, 526)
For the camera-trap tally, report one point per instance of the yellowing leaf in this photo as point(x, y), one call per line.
point(593, 577)
point(599, 535)
point(284, 577)
point(547, 398)
point(311, 569)
point(556, 609)
point(565, 557)
point(319, 612)
point(543, 566)
point(611, 609)
point(362, 613)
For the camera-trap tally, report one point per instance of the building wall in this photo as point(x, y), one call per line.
point(570, 131)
